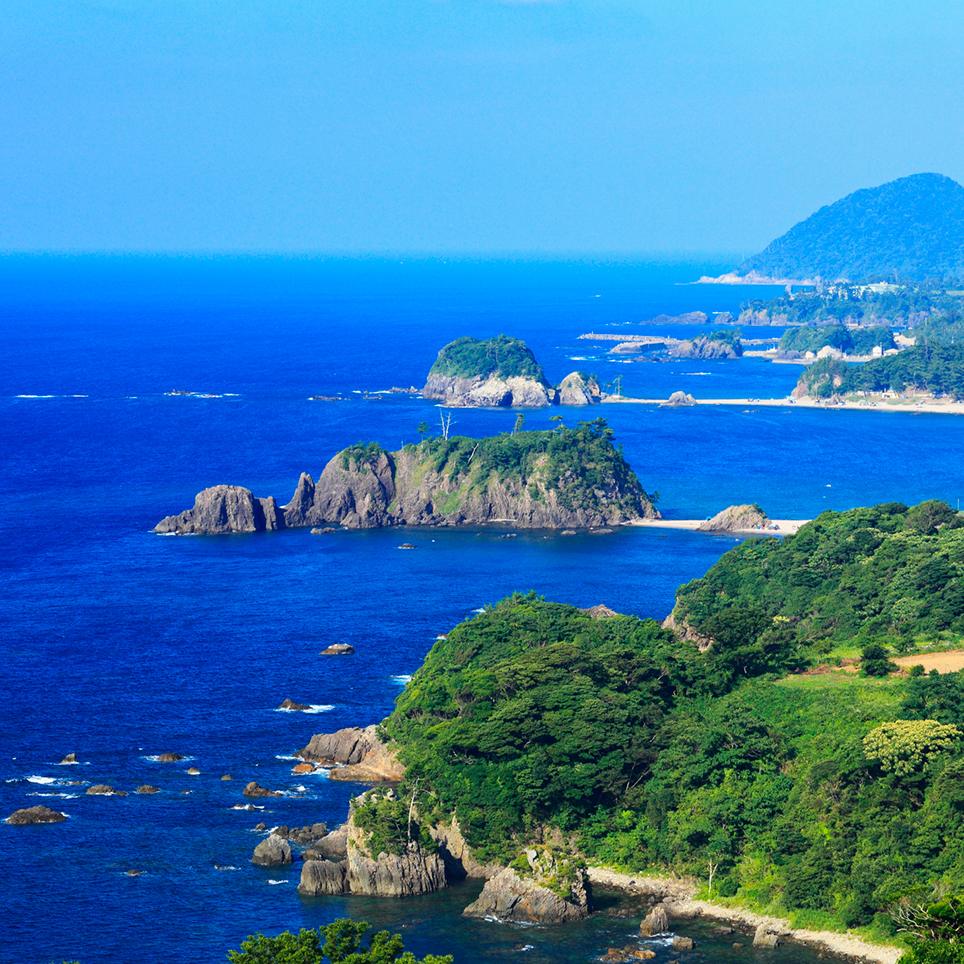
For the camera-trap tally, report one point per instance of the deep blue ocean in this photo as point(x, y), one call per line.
point(120, 645)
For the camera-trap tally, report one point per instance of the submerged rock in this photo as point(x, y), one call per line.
point(292, 705)
point(33, 815)
point(254, 790)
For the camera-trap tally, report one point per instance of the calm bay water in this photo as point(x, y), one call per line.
point(120, 645)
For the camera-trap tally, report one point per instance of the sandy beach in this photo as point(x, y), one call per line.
point(786, 526)
point(912, 404)
point(681, 891)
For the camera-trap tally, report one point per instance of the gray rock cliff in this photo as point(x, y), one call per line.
point(488, 392)
point(510, 896)
point(223, 509)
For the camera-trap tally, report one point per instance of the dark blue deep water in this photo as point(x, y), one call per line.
point(119, 645)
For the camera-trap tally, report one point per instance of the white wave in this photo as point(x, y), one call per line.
point(36, 396)
point(401, 679)
point(287, 756)
point(232, 394)
point(47, 781)
point(80, 396)
point(156, 758)
point(578, 358)
point(64, 796)
point(442, 636)
point(246, 806)
point(300, 789)
point(313, 709)
point(481, 609)
point(532, 947)
point(222, 867)
point(277, 881)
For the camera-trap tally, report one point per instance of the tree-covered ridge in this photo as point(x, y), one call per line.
point(885, 573)
point(851, 341)
point(582, 465)
point(827, 796)
point(911, 228)
point(937, 369)
point(499, 357)
point(534, 713)
point(881, 306)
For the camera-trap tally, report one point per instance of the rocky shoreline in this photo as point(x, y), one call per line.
point(679, 892)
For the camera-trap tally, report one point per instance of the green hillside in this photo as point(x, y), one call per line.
point(908, 229)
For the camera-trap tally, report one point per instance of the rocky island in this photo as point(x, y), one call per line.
point(501, 372)
point(566, 478)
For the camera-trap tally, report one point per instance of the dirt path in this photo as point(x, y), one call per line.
point(949, 662)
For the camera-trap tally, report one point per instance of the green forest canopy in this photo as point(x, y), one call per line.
point(499, 357)
point(936, 369)
point(582, 464)
point(653, 754)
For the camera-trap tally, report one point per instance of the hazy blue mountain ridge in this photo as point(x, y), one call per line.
point(911, 229)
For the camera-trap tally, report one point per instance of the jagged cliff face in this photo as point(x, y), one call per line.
point(399, 489)
point(224, 508)
point(488, 392)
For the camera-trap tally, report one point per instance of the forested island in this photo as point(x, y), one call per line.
point(726, 744)
point(501, 372)
point(556, 479)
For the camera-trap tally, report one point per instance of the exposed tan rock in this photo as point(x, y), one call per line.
point(169, 758)
point(736, 518)
point(147, 788)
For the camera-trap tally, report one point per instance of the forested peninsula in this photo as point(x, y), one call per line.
point(727, 744)
point(555, 479)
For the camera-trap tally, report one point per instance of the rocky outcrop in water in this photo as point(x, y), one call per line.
point(408, 874)
point(362, 755)
point(223, 509)
point(552, 891)
point(566, 478)
point(406, 488)
point(273, 851)
point(578, 389)
point(333, 846)
point(33, 815)
point(679, 400)
point(737, 518)
point(706, 348)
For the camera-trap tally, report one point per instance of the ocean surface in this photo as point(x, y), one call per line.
point(119, 645)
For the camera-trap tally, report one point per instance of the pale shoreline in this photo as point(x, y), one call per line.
point(788, 527)
point(844, 944)
point(907, 406)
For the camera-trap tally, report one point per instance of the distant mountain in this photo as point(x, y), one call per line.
point(913, 227)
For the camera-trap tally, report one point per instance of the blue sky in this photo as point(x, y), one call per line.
point(477, 126)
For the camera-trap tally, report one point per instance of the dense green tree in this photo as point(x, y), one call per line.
point(340, 942)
